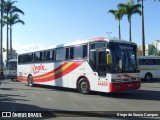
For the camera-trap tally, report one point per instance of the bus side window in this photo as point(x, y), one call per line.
point(142, 62)
point(85, 51)
point(53, 54)
point(60, 54)
point(44, 56)
point(50, 55)
point(150, 62)
point(78, 52)
point(71, 52)
point(157, 61)
point(67, 53)
point(38, 56)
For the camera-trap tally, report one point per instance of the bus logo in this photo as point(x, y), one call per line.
point(37, 68)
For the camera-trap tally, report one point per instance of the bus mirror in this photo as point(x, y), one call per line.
point(109, 59)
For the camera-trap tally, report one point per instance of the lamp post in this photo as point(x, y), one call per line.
point(108, 34)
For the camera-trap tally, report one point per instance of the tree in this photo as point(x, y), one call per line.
point(9, 8)
point(1, 37)
point(118, 14)
point(130, 9)
point(12, 20)
point(143, 30)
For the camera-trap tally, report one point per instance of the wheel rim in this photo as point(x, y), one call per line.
point(148, 77)
point(30, 81)
point(84, 86)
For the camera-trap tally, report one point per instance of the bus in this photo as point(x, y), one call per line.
point(96, 64)
point(12, 69)
point(149, 67)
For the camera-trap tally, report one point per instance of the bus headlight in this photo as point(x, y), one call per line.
point(116, 80)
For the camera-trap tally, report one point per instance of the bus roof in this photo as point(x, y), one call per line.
point(116, 40)
point(94, 40)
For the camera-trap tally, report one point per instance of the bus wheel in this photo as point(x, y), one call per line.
point(148, 77)
point(30, 81)
point(83, 86)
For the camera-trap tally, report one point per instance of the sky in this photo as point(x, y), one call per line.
point(53, 22)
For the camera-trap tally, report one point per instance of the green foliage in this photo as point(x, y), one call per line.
point(10, 17)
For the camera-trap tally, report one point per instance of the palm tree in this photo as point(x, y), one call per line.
point(1, 38)
point(130, 9)
point(13, 19)
point(143, 33)
point(143, 30)
point(9, 8)
point(118, 14)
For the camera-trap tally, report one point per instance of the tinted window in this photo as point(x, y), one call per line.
point(93, 61)
point(142, 61)
point(157, 61)
point(84, 51)
point(21, 59)
point(29, 57)
point(12, 65)
point(67, 53)
point(71, 52)
point(38, 56)
point(60, 54)
point(78, 52)
point(50, 55)
point(150, 61)
point(97, 45)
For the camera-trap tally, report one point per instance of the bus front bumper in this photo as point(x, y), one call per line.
point(117, 87)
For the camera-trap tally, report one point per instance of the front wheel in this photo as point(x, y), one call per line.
point(83, 86)
point(148, 77)
point(30, 81)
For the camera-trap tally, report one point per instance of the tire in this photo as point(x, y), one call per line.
point(30, 81)
point(148, 77)
point(83, 86)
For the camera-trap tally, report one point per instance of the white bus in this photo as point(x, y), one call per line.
point(96, 64)
point(149, 67)
point(12, 69)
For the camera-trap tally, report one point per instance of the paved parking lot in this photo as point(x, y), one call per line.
point(17, 96)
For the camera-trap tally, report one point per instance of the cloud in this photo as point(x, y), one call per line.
point(21, 48)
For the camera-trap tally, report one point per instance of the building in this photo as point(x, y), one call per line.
point(150, 49)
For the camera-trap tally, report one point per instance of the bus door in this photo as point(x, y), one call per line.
point(98, 61)
point(101, 62)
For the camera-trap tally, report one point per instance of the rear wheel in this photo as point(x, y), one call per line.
point(83, 86)
point(30, 81)
point(148, 77)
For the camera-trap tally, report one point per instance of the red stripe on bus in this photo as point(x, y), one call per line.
point(58, 68)
point(41, 78)
point(59, 75)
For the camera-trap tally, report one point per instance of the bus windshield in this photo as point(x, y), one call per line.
point(12, 65)
point(124, 58)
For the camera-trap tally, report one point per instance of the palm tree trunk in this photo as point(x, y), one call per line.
point(1, 47)
point(130, 31)
point(119, 30)
point(7, 48)
point(10, 41)
point(143, 34)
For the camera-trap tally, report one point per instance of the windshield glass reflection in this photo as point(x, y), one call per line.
point(124, 58)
